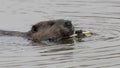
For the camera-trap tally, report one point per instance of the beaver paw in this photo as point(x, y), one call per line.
point(80, 34)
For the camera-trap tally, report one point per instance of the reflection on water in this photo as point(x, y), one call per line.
point(98, 51)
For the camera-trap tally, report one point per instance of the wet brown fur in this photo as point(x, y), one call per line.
point(48, 29)
point(45, 30)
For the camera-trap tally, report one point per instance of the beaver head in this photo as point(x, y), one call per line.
point(52, 29)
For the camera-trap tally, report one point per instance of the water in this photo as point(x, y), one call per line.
point(98, 51)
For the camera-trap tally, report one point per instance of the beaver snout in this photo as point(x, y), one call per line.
point(68, 24)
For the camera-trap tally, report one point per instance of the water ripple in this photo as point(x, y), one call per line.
point(101, 50)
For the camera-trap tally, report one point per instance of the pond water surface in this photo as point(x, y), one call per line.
point(98, 51)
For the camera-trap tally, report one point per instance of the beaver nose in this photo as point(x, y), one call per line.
point(68, 24)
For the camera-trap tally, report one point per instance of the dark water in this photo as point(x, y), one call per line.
point(98, 51)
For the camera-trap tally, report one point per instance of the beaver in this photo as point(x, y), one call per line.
point(51, 30)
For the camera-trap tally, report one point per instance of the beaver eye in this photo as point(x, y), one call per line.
point(34, 28)
point(68, 24)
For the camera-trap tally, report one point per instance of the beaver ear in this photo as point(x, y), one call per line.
point(51, 23)
point(34, 28)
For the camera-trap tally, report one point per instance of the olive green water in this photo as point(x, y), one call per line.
point(98, 51)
